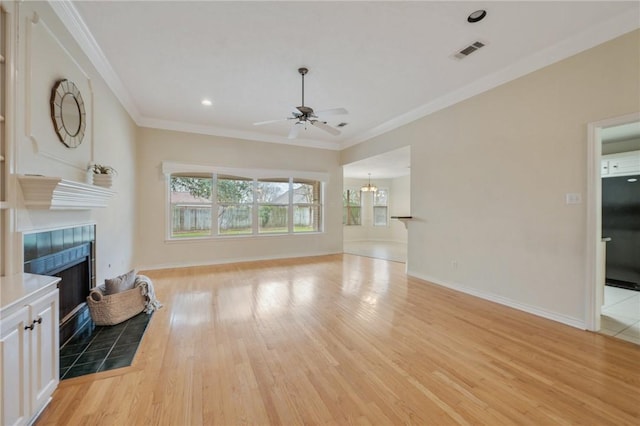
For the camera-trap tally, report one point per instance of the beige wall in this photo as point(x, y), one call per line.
point(489, 177)
point(399, 202)
point(156, 146)
point(47, 53)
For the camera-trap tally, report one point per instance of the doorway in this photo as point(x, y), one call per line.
point(369, 228)
point(613, 309)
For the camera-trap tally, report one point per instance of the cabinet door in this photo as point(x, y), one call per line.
point(45, 362)
point(14, 358)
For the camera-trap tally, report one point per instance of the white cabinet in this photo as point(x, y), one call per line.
point(14, 351)
point(45, 349)
point(622, 164)
point(29, 346)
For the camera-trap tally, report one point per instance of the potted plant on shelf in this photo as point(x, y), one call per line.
point(102, 175)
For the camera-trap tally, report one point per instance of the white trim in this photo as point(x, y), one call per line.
point(40, 147)
point(233, 260)
point(72, 20)
point(201, 129)
point(554, 316)
point(55, 193)
point(587, 39)
point(54, 228)
point(169, 167)
point(593, 253)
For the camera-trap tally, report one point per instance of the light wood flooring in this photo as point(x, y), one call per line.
point(348, 339)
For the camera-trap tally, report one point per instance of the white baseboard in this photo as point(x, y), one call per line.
point(155, 267)
point(535, 310)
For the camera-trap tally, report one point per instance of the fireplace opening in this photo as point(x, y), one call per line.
point(71, 259)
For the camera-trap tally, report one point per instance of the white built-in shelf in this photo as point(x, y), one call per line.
point(55, 193)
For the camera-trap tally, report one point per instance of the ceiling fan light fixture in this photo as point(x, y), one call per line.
point(369, 187)
point(306, 115)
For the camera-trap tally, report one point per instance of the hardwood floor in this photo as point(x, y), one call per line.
point(346, 339)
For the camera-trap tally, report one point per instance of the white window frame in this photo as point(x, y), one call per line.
point(353, 190)
point(170, 168)
point(373, 209)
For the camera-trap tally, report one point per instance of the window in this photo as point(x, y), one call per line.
point(380, 202)
point(273, 206)
point(306, 206)
point(244, 206)
point(235, 205)
point(190, 200)
point(351, 207)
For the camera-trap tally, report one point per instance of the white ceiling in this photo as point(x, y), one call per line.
point(389, 165)
point(387, 63)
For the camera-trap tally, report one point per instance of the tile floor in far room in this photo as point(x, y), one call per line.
point(620, 314)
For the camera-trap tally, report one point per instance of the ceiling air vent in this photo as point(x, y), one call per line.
point(469, 50)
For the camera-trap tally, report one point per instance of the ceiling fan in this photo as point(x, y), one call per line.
point(304, 115)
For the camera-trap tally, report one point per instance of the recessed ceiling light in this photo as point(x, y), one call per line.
point(207, 102)
point(477, 16)
point(632, 180)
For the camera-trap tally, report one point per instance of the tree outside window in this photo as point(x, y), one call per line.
point(351, 207)
point(380, 207)
point(190, 200)
point(273, 205)
point(307, 209)
point(244, 206)
point(235, 205)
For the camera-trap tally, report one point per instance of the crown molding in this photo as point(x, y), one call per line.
point(68, 14)
point(71, 19)
point(179, 126)
point(587, 39)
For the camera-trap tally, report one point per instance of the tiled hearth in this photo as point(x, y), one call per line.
point(94, 349)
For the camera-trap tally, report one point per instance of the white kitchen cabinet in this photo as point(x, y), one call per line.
point(622, 164)
point(29, 346)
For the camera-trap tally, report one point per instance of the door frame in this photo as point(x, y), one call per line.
point(594, 251)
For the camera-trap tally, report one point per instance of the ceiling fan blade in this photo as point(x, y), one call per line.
point(332, 111)
point(325, 127)
point(293, 133)
point(260, 123)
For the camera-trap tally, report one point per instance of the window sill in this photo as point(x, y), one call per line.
point(238, 237)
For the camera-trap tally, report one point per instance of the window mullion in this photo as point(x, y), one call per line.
point(255, 208)
point(290, 209)
point(214, 205)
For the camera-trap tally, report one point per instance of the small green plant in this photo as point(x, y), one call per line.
point(99, 169)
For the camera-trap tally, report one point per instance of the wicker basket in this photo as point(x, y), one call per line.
point(115, 308)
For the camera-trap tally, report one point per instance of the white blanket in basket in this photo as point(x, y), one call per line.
point(147, 290)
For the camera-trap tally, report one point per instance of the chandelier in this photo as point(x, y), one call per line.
point(369, 187)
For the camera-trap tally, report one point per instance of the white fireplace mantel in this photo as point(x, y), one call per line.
point(55, 193)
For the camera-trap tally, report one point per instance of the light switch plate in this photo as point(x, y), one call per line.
point(573, 198)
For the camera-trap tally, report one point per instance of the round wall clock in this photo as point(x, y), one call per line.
point(67, 113)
